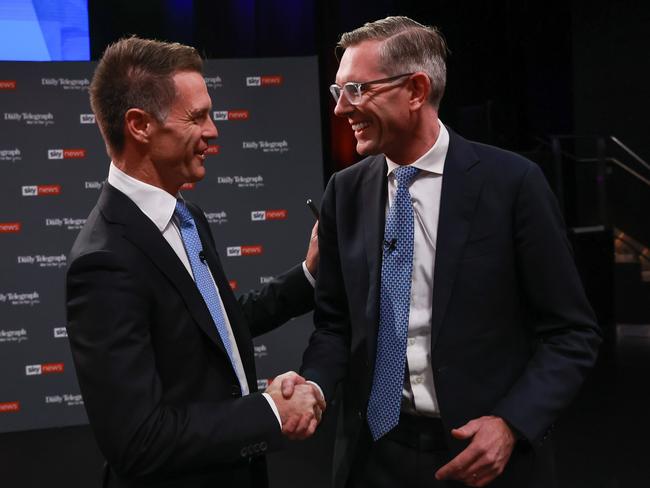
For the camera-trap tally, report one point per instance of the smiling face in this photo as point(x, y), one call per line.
point(178, 145)
point(382, 122)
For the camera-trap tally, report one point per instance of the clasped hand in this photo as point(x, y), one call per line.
point(299, 403)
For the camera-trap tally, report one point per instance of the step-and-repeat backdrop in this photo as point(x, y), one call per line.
point(261, 169)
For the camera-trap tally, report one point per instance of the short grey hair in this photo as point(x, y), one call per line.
point(408, 47)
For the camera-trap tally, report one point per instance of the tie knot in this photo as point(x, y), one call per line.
point(404, 175)
point(182, 212)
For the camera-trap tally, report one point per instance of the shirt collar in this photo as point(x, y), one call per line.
point(433, 160)
point(154, 202)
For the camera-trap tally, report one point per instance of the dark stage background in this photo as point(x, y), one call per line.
point(551, 80)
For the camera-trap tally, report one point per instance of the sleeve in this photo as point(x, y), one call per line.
point(560, 317)
point(139, 432)
point(285, 297)
point(326, 358)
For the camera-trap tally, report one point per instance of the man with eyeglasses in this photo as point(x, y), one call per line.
point(447, 301)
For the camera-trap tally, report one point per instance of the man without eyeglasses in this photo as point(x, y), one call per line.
point(447, 302)
point(162, 347)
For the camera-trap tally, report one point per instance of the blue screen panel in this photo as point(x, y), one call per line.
point(44, 30)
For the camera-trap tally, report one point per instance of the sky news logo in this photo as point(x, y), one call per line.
point(60, 332)
point(233, 284)
point(16, 335)
point(87, 118)
point(217, 217)
point(44, 261)
point(8, 407)
point(30, 118)
point(242, 181)
point(230, 115)
point(267, 80)
point(47, 368)
point(13, 298)
point(213, 82)
point(8, 84)
point(11, 155)
point(68, 223)
point(10, 227)
point(237, 251)
point(261, 215)
point(41, 190)
point(66, 153)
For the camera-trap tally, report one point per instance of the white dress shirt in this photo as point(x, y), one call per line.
point(419, 395)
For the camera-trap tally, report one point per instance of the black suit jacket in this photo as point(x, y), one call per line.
point(512, 332)
point(161, 395)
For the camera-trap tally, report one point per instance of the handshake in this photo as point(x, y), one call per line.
point(300, 404)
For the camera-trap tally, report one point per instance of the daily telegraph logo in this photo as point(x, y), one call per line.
point(217, 217)
point(242, 181)
point(230, 115)
point(44, 261)
point(67, 83)
point(10, 227)
point(47, 368)
point(68, 223)
point(261, 215)
point(267, 80)
point(260, 351)
point(237, 251)
point(67, 399)
point(87, 118)
point(66, 153)
point(8, 84)
point(11, 155)
point(93, 185)
point(266, 146)
point(60, 332)
point(6, 407)
point(29, 118)
point(16, 335)
point(213, 82)
point(40, 190)
point(17, 299)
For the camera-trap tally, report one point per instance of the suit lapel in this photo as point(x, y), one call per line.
point(141, 231)
point(461, 186)
point(373, 207)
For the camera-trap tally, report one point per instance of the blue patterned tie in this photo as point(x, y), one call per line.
point(396, 268)
point(202, 275)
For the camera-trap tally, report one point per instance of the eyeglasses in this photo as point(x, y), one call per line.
point(354, 91)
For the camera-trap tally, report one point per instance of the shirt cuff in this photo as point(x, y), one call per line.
point(273, 407)
point(310, 278)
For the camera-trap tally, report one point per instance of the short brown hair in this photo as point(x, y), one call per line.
point(137, 73)
point(408, 47)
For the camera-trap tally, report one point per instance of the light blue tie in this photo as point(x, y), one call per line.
point(202, 276)
point(396, 269)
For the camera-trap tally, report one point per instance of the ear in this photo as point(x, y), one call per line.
point(420, 86)
point(138, 125)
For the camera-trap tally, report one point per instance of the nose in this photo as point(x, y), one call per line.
point(343, 107)
point(210, 130)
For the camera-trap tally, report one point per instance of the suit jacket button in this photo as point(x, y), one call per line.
point(235, 390)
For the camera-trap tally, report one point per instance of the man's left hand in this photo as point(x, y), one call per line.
point(485, 457)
